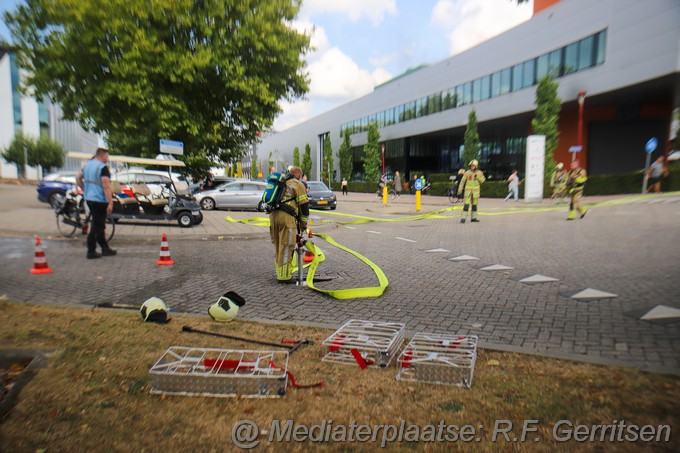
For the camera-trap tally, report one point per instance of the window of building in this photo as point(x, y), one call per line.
point(541, 67)
point(601, 41)
point(389, 116)
point(528, 73)
point(505, 80)
point(570, 58)
point(476, 90)
point(399, 114)
point(467, 93)
point(517, 77)
point(555, 62)
point(485, 87)
point(411, 110)
point(447, 99)
point(381, 119)
point(586, 53)
point(460, 99)
point(16, 95)
point(495, 84)
point(434, 103)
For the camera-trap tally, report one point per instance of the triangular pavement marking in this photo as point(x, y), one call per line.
point(590, 293)
point(437, 251)
point(661, 312)
point(374, 232)
point(463, 258)
point(538, 278)
point(496, 267)
point(405, 239)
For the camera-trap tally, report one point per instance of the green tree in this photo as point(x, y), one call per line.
point(208, 73)
point(271, 163)
point(296, 157)
point(327, 160)
point(307, 161)
point(345, 156)
point(198, 166)
point(471, 148)
point(548, 106)
point(19, 151)
point(47, 153)
point(254, 173)
point(371, 155)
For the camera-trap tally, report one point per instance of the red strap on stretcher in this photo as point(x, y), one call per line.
point(227, 364)
point(360, 360)
point(337, 343)
point(408, 355)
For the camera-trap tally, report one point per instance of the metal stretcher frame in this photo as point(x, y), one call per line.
point(220, 372)
point(439, 359)
point(376, 341)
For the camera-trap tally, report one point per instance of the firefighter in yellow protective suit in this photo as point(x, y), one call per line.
point(471, 181)
point(575, 185)
point(558, 182)
point(284, 223)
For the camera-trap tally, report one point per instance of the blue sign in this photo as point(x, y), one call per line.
point(651, 145)
point(418, 184)
point(171, 147)
point(575, 149)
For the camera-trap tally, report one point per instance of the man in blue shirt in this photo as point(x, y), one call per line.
point(95, 180)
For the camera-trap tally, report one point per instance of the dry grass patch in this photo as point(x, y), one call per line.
point(94, 396)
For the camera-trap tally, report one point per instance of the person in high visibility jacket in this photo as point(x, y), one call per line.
point(576, 182)
point(471, 181)
point(284, 225)
point(558, 182)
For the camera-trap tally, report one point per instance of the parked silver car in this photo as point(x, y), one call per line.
point(233, 195)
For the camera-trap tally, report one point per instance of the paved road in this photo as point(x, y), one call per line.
point(628, 247)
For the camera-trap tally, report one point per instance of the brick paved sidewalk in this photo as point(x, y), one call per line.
point(629, 249)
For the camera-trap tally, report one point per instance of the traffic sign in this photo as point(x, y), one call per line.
point(171, 147)
point(575, 149)
point(651, 145)
point(418, 184)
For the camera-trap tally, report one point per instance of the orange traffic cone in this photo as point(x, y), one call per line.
point(164, 259)
point(40, 262)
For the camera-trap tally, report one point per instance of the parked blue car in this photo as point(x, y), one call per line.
point(53, 187)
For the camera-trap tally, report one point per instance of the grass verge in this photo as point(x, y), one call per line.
point(94, 396)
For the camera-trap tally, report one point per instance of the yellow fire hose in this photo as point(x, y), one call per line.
point(319, 257)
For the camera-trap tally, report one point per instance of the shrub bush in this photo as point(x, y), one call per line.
point(621, 183)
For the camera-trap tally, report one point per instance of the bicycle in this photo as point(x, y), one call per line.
point(452, 193)
point(391, 193)
point(70, 216)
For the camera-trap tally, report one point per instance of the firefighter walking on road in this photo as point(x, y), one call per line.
point(558, 182)
point(471, 181)
point(575, 185)
point(284, 223)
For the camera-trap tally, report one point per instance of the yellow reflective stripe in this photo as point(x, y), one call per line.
point(302, 199)
point(304, 218)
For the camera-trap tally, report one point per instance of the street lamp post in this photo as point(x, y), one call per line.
point(579, 138)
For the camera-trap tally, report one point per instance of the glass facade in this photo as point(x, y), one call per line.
point(577, 56)
point(16, 96)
